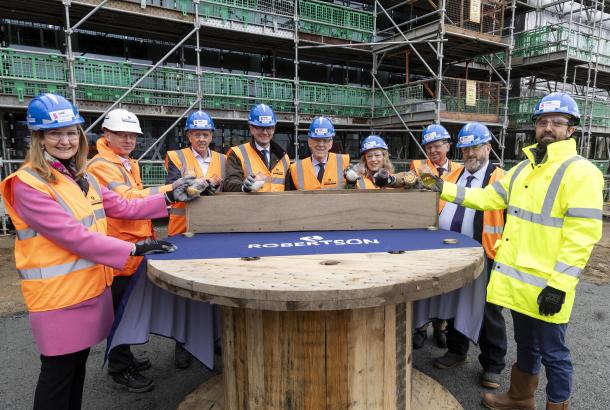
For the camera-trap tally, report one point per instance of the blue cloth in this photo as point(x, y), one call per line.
point(146, 308)
point(543, 342)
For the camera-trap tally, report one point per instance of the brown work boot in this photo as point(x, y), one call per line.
point(557, 406)
point(520, 395)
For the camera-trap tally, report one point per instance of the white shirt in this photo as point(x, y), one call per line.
point(267, 154)
point(446, 216)
point(125, 162)
point(316, 165)
point(204, 163)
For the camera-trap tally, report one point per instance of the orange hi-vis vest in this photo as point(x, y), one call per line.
point(107, 167)
point(51, 276)
point(305, 179)
point(186, 162)
point(364, 182)
point(417, 164)
point(252, 164)
point(493, 221)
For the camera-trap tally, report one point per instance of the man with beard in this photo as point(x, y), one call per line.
point(468, 316)
point(554, 202)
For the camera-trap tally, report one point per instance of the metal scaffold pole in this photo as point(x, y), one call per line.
point(69, 55)
point(439, 57)
point(198, 53)
point(508, 62)
point(586, 151)
point(296, 79)
point(567, 57)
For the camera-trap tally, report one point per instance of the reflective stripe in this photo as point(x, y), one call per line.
point(125, 177)
point(154, 190)
point(223, 161)
point(57, 270)
point(58, 198)
point(493, 229)
point(277, 180)
point(519, 275)
point(460, 195)
point(113, 185)
point(584, 213)
point(27, 233)
point(499, 188)
point(91, 179)
point(567, 269)
point(553, 190)
point(247, 164)
point(520, 168)
point(87, 221)
point(178, 211)
point(182, 159)
point(340, 181)
point(545, 220)
point(120, 167)
point(99, 213)
point(300, 180)
point(361, 183)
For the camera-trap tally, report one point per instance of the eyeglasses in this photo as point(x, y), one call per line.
point(437, 145)
point(56, 136)
point(554, 122)
point(373, 155)
point(125, 135)
point(263, 129)
point(200, 136)
point(321, 141)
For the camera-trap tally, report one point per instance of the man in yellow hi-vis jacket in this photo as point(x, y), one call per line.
point(554, 218)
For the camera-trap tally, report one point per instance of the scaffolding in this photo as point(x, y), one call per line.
point(429, 61)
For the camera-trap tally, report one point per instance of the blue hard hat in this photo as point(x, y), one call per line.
point(472, 134)
point(321, 127)
point(261, 115)
point(372, 142)
point(557, 103)
point(49, 111)
point(434, 132)
point(199, 120)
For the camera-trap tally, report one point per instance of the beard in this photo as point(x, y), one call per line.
point(473, 165)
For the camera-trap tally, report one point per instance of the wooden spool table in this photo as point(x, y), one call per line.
point(320, 331)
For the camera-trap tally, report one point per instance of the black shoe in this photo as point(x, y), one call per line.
point(449, 360)
point(140, 364)
point(441, 338)
point(134, 381)
point(182, 358)
point(419, 337)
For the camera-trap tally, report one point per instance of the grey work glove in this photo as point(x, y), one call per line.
point(383, 177)
point(149, 246)
point(200, 187)
point(251, 184)
point(179, 187)
point(351, 174)
point(431, 182)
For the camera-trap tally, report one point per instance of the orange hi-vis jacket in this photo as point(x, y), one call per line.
point(51, 276)
point(304, 177)
point(186, 162)
point(417, 164)
point(493, 221)
point(364, 182)
point(252, 164)
point(107, 167)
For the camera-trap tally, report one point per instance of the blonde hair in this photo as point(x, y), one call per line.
point(387, 164)
point(38, 163)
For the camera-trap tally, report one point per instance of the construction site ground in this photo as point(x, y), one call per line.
point(588, 337)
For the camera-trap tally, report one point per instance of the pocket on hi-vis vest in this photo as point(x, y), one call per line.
point(330, 181)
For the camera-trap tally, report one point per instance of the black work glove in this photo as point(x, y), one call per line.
point(383, 178)
point(149, 246)
point(550, 300)
point(431, 182)
point(210, 189)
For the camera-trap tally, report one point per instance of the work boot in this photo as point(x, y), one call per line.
point(419, 337)
point(520, 395)
point(140, 364)
point(441, 338)
point(557, 406)
point(133, 380)
point(449, 360)
point(182, 358)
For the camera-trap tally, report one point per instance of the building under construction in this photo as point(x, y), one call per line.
point(384, 66)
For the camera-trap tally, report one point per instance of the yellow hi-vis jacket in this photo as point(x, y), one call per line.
point(186, 162)
point(304, 177)
point(51, 276)
point(554, 217)
point(252, 164)
point(107, 167)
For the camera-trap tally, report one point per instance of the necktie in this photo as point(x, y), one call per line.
point(440, 171)
point(265, 157)
point(320, 172)
point(458, 217)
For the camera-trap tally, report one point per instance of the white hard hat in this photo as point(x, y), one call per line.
point(121, 120)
